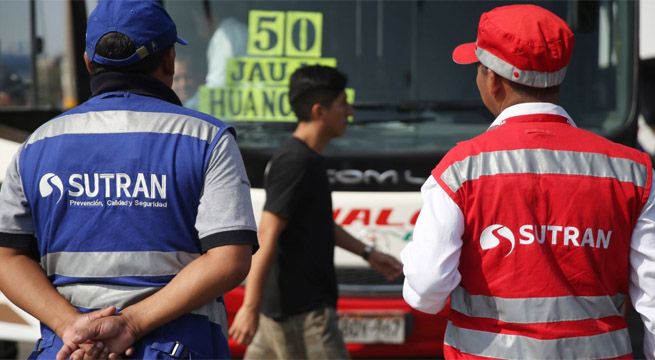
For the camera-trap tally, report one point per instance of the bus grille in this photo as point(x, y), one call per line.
point(366, 282)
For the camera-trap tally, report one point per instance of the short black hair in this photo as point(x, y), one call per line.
point(115, 45)
point(314, 84)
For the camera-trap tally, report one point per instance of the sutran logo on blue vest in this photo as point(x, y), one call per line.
point(108, 189)
point(46, 184)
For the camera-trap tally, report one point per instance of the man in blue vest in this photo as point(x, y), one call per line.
point(128, 202)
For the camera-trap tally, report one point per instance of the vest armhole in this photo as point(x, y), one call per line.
point(649, 181)
point(455, 196)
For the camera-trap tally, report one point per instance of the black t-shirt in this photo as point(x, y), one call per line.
point(303, 276)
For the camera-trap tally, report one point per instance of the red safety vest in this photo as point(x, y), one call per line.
point(549, 211)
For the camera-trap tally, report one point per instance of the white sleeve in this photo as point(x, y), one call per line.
point(225, 213)
point(15, 213)
point(642, 277)
point(431, 259)
point(218, 53)
point(230, 40)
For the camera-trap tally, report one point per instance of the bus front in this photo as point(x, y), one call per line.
point(412, 104)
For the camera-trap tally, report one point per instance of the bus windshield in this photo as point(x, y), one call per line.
point(409, 96)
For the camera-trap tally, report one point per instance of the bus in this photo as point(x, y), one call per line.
point(412, 104)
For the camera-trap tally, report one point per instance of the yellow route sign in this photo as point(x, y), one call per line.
point(274, 71)
point(278, 33)
point(251, 103)
point(256, 87)
point(304, 34)
point(265, 33)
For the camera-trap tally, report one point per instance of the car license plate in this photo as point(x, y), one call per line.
point(371, 328)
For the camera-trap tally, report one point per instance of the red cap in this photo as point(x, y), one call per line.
point(526, 44)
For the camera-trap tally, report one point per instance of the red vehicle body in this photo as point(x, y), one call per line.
point(424, 331)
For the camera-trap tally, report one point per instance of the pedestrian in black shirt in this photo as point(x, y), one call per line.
point(292, 282)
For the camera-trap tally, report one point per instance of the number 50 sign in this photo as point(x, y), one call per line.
point(279, 33)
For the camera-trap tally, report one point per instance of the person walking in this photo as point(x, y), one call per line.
point(129, 202)
point(291, 292)
point(537, 230)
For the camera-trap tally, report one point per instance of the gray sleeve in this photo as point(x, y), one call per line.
point(225, 215)
point(16, 224)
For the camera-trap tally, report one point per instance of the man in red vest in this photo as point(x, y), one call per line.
point(537, 230)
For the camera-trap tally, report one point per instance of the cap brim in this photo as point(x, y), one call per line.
point(465, 54)
point(180, 40)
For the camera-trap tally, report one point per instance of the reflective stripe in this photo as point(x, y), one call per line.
point(92, 296)
point(482, 343)
point(114, 122)
point(542, 161)
point(116, 264)
point(536, 310)
point(526, 77)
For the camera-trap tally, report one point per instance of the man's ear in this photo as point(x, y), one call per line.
point(316, 111)
point(87, 62)
point(496, 84)
point(168, 62)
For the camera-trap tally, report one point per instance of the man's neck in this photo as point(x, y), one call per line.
point(509, 97)
point(311, 134)
point(515, 100)
point(136, 83)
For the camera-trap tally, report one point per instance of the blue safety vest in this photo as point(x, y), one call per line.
point(114, 187)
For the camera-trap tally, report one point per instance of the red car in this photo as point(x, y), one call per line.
point(375, 325)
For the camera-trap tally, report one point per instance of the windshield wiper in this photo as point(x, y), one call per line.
point(421, 111)
point(404, 120)
point(413, 106)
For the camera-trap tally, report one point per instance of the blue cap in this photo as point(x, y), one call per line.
point(146, 23)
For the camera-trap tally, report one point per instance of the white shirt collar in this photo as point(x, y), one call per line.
point(531, 108)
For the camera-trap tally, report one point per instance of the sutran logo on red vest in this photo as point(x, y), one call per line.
point(493, 235)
